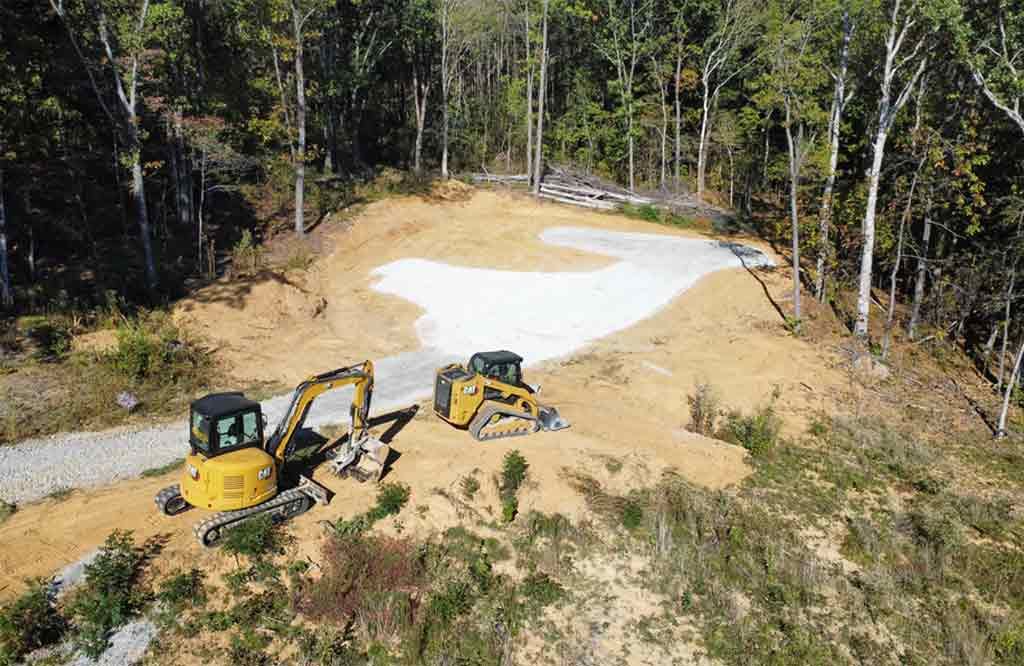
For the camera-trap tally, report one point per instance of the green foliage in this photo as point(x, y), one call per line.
point(247, 648)
point(758, 433)
point(645, 212)
point(246, 255)
point(31, 621)
point(110, 595)
point(513, 472)
point(468, 486)
point(183, 589)
point(254, 538)
point(391, 499)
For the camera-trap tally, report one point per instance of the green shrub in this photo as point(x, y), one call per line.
point(539, 590)
point(758, 433)
point(183, 589)
point(632, 515)
point(29, 622)
point(110, 595)
point(514, 469)
point(704, 410)
point(469, 487)
point(246, 255)
point(137, 352)
point(392, 498)
point(254, 538)
point(247, 648)
point(646, 212)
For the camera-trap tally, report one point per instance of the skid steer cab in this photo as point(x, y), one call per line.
point(488, 397)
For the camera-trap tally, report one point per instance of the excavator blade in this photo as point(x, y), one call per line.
point(550, 419)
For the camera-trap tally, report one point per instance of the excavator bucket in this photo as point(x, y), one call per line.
point(364, 461)
point(550, 419)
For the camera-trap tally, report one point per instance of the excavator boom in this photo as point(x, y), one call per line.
point(281, 444)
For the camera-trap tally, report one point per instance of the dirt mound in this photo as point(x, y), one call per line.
point(451, 190)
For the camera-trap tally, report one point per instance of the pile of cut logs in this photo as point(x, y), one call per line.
point(571, 187)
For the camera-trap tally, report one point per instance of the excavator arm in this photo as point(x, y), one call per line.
point(281, 444)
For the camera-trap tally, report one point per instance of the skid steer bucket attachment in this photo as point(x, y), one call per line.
point(550, 419)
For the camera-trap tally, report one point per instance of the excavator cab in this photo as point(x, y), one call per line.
point(227, 468)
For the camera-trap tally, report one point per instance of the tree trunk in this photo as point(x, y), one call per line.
point(139, 193)
point(6, 291)
point(183, 173)
point(834, 126)
point(922, 270)
point(529, 101)
point(300, 121)
point(702, 146)
point(868, 231)
point(794, 213)
point(891, 313)
point(538, 161)
point(679, 119)
point(419, 98)
point(1001, 430)
point(1006, 325)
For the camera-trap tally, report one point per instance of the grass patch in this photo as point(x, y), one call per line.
point(7, 509)
point(172, 466)
point(60, 494)
point(153, 361)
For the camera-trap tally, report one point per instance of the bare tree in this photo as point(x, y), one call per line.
point(538, 161)
point(1001, 429)
point(625, 47)
point(122, 55)
point(454, 45)
point(900, 56)
point(737, 19)
point(841, 97)
point(300, 14)
point(6, 292)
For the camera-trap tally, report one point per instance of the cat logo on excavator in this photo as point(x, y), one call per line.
point(489, 398)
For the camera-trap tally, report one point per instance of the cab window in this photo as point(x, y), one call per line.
point(250, 431)
point(199, 434)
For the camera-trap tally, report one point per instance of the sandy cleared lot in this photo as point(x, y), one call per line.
point(624, 392)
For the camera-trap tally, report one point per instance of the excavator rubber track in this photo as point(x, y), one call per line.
point(285, 505)
point(170, 502)
point(510, 423)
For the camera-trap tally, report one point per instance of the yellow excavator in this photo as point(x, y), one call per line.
point(234, 471)
point(489, 398)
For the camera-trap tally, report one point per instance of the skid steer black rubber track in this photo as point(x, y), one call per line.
point(286, 505)
point(523, 423)
point(170, 502)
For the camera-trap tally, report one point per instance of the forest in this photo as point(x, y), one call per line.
point(878, 140)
